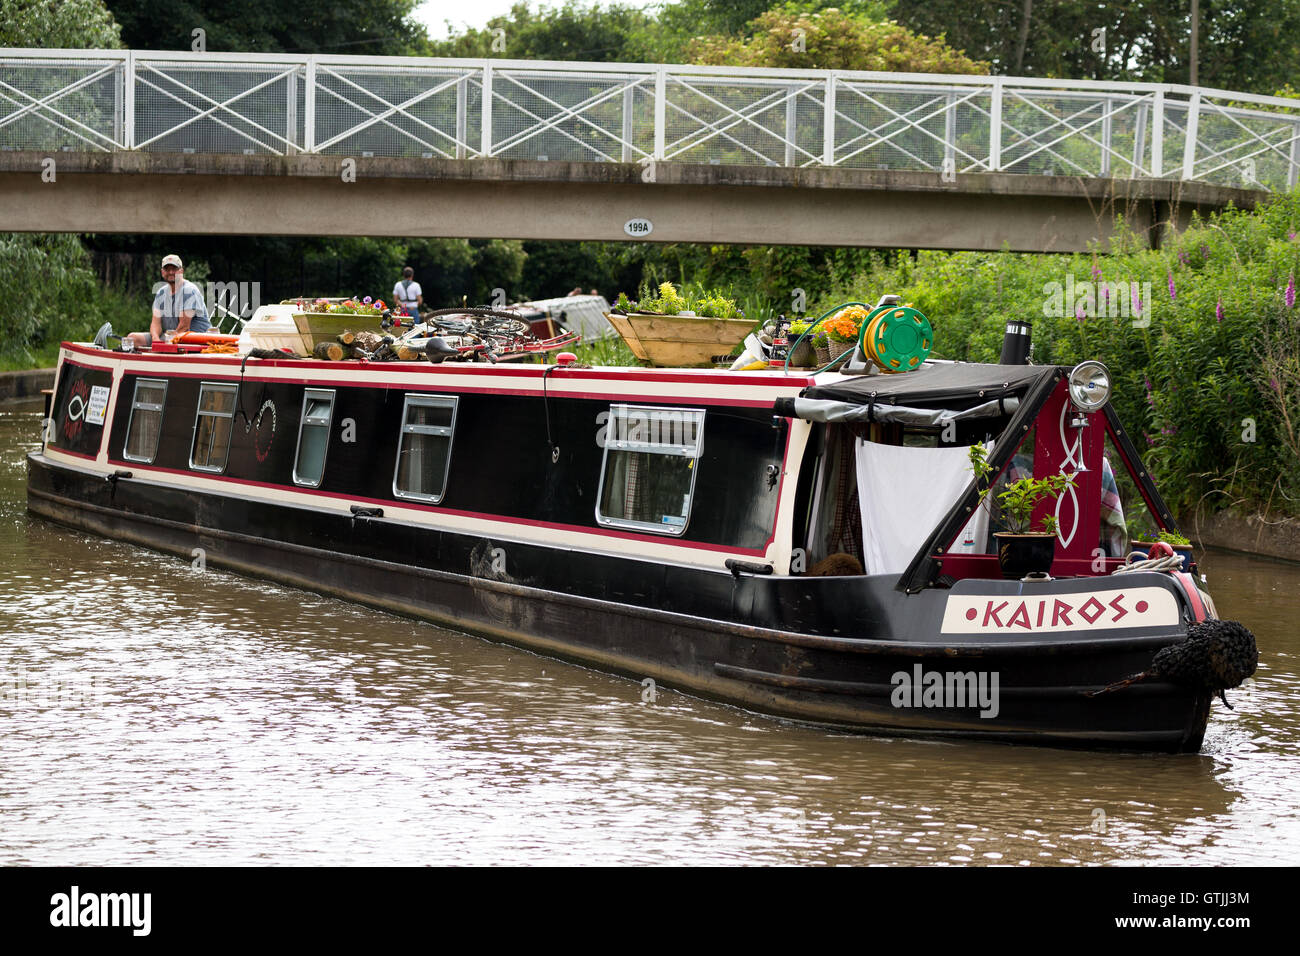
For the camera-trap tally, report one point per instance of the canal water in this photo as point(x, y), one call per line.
point(155, 713)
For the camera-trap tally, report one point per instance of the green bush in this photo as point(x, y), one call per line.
point(1206, 377)
point(49, 295)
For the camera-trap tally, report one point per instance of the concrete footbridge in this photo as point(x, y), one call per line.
point(265, 144)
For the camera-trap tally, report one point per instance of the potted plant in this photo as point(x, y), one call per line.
point(1179, 542)
point(321, 320)
point(1022, 547)
point(803, 353)
point(669, 327)
point(839, 333)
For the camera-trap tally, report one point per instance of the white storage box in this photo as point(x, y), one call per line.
point(272, 327)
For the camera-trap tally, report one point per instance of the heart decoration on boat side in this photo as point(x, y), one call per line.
point(257, 431)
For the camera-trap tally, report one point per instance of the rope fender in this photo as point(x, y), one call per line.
point(1217, 655)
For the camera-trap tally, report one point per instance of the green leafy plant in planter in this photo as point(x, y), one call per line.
point(802, 353)
point(669, 301)
point(716, 305)
point(1167, 536)
point(1022, 548)
point(1179, 542)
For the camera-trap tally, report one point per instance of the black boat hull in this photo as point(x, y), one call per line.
point(706, 644)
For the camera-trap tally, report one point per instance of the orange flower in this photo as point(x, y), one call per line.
point(841, 328)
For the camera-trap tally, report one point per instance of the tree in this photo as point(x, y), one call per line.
point(48, 285)
point(1247, 45)
point(61, 25)
point(372, 27)
point(794, 38)
point(567, 32)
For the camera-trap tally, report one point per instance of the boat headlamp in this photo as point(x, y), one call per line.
point(1089, 386)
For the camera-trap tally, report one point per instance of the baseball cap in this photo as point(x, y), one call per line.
point(173, 260)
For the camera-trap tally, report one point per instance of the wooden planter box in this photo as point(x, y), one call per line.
point(679, 341)
point(317, 327)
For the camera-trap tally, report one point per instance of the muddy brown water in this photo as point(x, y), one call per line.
point(153, 713)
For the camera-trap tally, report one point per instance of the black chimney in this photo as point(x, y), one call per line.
point(1015, 343)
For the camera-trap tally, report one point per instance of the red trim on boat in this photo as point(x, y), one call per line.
point(608, 396)
point(1188, 584)
point(700, 376)
point(141, 471)
point(74, 454)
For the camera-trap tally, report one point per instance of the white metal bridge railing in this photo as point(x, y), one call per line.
point(601, 112)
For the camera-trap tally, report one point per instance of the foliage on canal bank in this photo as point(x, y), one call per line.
point(51, 294)
point(1202, 338)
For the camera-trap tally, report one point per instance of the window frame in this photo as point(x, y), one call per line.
point(199, 413)
point(670, 451)
point(426, 400)
point(307, 395)
point(136, 404)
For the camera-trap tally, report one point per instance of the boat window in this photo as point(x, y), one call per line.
point(145, 424)
point(1126, 519)
point(424, 453)
point(648, 474)
point(212, 426)
point(313, 437)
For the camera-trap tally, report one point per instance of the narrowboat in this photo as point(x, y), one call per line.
point(808, 545)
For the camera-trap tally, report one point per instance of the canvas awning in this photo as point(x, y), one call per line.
point(952, 385)
point(818, 410)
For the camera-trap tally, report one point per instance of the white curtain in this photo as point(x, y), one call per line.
point(904, 492)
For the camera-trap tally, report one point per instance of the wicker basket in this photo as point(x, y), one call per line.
point(804, 355)
point(830, 351)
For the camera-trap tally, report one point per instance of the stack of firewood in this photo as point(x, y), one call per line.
point(353, 345)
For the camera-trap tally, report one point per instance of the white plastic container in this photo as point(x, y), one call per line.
point(272, 327)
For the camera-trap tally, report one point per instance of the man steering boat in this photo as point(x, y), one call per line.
point(177, 307)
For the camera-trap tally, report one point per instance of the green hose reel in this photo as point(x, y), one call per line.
point(897, 338)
